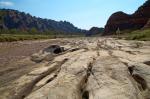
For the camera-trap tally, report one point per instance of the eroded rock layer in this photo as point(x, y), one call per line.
point(95, 68)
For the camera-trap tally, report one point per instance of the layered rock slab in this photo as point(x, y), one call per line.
point(110, 79)
point(69, 81)
point(91, 68)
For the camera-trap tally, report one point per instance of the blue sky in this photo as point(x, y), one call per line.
point(82, 13)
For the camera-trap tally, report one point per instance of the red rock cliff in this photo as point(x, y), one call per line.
point(124, 21)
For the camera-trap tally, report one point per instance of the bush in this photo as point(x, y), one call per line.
point(16, 35)
point(139, 35)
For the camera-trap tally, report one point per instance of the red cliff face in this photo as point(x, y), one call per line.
point(124, 21)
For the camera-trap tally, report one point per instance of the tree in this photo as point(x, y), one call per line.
point(118, 31)
point(33, 31)
point(13, 31)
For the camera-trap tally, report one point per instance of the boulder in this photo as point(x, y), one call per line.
point(56, 49)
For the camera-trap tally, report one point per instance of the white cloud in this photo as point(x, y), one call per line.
point(6, 3)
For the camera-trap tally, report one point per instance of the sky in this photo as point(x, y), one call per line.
point(82, 13)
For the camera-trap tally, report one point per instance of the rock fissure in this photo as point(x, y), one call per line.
point(147, 63)
point(27, 88)
point(141, 81)
point(85, 93)
point(89, 69)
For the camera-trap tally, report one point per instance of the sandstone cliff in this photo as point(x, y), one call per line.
point(125, 21)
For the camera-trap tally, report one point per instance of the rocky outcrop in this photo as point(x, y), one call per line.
point(147, 26)
point(124, 21)
point(89, 68)
point(13, 19)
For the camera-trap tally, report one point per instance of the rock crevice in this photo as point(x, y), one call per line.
point(93, 68)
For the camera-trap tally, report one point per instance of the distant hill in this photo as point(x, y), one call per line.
point(95, 31)
point(13, 19)
point(125, 21)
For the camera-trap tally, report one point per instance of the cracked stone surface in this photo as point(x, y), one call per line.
point(87, 68)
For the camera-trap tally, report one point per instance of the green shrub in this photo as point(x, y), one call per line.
point(139, 35)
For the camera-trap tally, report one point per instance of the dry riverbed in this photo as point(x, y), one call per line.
point(85, 68)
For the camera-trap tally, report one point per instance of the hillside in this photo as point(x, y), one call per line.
point(124, 21)
point(13, 19)
point(95, 31)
